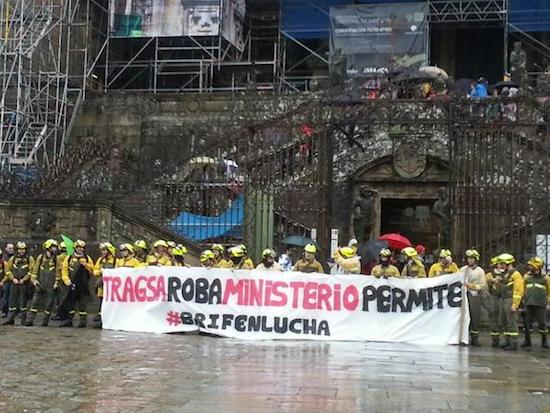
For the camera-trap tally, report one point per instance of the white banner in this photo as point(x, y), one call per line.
point(257, 305)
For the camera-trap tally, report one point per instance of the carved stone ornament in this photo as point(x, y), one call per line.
point(409, 158)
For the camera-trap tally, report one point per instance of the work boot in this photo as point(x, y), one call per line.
point(83, 322)
point(57, 317)
point(506, 344)
point(46, 320)
point(544, 341)
point(23, 317)
point(527, 341)
point(67, 323)
point(494, 341)
point(11, 319)
point(513, 345)
point(474, 340)
point(29, 322)
point(97, 318)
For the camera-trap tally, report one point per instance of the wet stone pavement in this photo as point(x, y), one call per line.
point(86, 370)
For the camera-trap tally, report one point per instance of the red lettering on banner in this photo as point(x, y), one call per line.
point(232, 288)
point(128, 293)
point(282, 298)
point(116, 285)
point(351, 298)
point(256, 287)
point(323, 297)
point(296, 286)
point(310, 296)
point(139, 289)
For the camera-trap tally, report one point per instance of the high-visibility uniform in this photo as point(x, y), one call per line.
point(304, 265)
point(18, 267)
point(129, 262)
point(43, 276)
point(102, 263)
point(385, 271)
point(476, 285)
point(275, 267)
point(494, 288)
point(438, 269)
point(244, 264)
point(350, 265)
point(536, 299)
point(222, 263)
point(511, 294)
point(159, 260)
point(414, 268)
point(68, 274)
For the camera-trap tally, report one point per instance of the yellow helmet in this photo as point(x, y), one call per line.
point(347, 252)
point(62, 246)
point(384, 252)
point(311, 248)
point(171, 244)
point(409, 252)
point(217, 247)
point(160, 243)
point(108, 246)
point(80, 243)
point(444, 253)
point(506, 259)
point(494, 261)
point(141, 244)
point(127, 247)
point(243, 247)
point(236, 252)
point(473, 253)
point(21, 245)
point(268, 252)
point(182, 248)
point(536, 262)
point(49, 243)
point(206, 255)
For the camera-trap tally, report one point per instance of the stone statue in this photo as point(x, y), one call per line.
point(442, 211)
point(337, 68)
point(518, 64)
point(362, 217)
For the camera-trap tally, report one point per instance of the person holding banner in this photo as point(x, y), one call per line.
point(476, 286)
point(107, 260)
point(512, 288)
point(445, 265)
point(537, 297)
point(384, 268)
point(208, 259)
point(128, 259)
point(239, 261)
point(414, 267)
point(160, 255)
point(219, 256)
point(492, 303)
point(347, 261)
point(308, 263)
point(268, 261)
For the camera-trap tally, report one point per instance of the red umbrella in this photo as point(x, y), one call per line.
point(396, 241)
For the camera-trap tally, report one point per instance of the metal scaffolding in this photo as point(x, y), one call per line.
point(44, 67)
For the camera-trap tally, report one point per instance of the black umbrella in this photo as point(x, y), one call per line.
point(462, 87)
point(368, 251)
point(77, 291)
point(507, 83)
point(297, 240)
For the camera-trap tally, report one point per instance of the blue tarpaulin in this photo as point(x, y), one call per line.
point(199, 227)
point(529, 15)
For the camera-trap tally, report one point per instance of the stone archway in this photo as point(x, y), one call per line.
point(402, 199)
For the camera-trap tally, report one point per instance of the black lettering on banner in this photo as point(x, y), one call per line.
point(454, 295)
point(226, 321)
point(439, 290)
point(292, 326)
point(383, 301)
point(369, 294)
point(199, 318)
point(254, 323)
point(186, 318)
point(417, 298)
point(240, 323)
point(174, 284)
point(188, 289)
point(265, 326)
point(213, 321)
point(323, 328)
point(280, 325)
point(215, 291)
point(430, 295)
point(202, 291)
point(398, 297)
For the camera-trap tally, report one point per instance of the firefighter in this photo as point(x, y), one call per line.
point(476, 285)
point(140, 250)
point(219, 254)
point(18, 272)
point(308, 263)
point(238, 259)
point(536, 300)
point(208, 259)
point(178, 256)
point(384, 268)
point(75, 275)
point(347, 261)
point(107, 260)
point(445, 265)
point(43, 277)
point(268, 262)
point(128, 258)
point(59, 292)
point(494, 281)
point(511, 294)
point(248, 263)
point(414, 267)
point(160, 256)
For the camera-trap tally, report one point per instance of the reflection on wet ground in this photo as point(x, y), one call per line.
point(53, 370)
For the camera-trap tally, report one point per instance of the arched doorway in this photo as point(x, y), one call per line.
point(389, 197)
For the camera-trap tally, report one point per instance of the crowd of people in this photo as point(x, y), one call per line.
point(58, 281)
